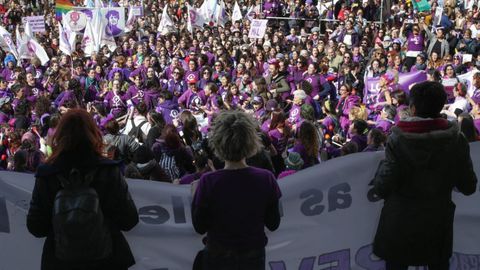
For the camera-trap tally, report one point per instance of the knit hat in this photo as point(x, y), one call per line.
point(271, 105)
point(294, 161)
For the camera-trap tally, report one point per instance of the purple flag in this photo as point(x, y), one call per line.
point(405, 80)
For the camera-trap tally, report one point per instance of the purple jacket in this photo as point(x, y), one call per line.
point(169, 109)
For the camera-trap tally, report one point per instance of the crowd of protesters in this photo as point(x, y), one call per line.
point(155, 96)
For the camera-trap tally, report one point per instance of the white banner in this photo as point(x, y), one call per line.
point(258, 28)
point(113, 19)
point(36, 22)
point(329, 221)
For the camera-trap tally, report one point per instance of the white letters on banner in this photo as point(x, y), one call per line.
point(329, 218)
point(36, 22)
point(258, 28)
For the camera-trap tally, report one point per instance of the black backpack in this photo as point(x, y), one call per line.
point(80, 230)
point(136, 131)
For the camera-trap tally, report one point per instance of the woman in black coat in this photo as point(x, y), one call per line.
point(426, 158)
point(78, 144)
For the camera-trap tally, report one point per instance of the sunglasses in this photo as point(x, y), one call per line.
point(176, 72)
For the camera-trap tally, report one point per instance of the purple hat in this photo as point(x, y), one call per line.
point(271, 105)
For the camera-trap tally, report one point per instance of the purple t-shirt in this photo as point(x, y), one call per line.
point(279, 140)
point(294, 115)
point(415, 43)
point(192, 100)
point(236, 204)
point(314, 80)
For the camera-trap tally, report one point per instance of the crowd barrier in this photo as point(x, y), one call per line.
point(329, 218)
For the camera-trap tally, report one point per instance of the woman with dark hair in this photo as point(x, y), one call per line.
point(460, 103)
point(220, 207)
point(376, 140)
point(346, 102)
point(78, 147)
point(307, 144)
point(158, 123)
point(449, 80)
point(172, 155)
point(205, 77)
point(189, 128)
point(400, 101)
point(118, 146)
point(279, 134)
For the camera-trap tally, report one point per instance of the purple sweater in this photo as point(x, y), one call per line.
point(234, 206)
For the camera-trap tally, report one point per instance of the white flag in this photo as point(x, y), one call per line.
point(35, 49)
point(21, 38)
point(130, 20)
point(108, 41)
point(98, 28)
point(88, 41)
point(250, 13)
point(189, 18)
point(6, 42)
point(196, 17)
point(22, 41)
point(67, 39)
point(237, 13)
point(208, 11)
point(220, 14)
point(165, 22)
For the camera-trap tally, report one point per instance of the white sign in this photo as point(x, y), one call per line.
point(438, 16)
point(329, 218)
point(467, 58)
point(36, 22)
point(137, 11)
point(257, 28)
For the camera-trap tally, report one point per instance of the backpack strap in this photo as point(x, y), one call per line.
point(141, 125)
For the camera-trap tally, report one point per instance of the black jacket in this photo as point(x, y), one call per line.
point(416, 180)
point(117, 206)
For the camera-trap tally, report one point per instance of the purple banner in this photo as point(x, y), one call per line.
point(405, 80)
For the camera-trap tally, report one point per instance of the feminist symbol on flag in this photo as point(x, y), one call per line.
point(193, 16)
point(7, 39)
point(31, 47)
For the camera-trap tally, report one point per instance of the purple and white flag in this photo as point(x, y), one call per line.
point(6, 42)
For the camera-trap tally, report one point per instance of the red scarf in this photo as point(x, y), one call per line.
point(423, 126)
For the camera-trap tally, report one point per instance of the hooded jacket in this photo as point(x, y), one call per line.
point(425, 160)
